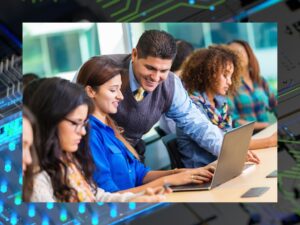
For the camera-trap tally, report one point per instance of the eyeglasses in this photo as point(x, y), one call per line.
point(78, 126)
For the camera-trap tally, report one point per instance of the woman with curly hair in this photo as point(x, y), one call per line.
point(254, 97)
point(209, 75)
point(66, 166)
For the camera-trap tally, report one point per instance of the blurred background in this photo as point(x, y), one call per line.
point(15, 12)
point(59, 49)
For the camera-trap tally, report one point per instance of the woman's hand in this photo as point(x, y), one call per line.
point(153, 195)
point(196, 176)
point(210, 167)
point(252, 157)
point(159, 190)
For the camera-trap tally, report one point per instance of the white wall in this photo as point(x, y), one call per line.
point(111, 38)
point(267, 59)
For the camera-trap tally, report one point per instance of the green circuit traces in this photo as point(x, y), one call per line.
point(289, 92)
point(123, 14)
point(122, 10)
point(289, 141)
point(165, 7)
point(183, 5)
point(292, 174)
point(138, 5)
point(137, 15)
point(110, 4)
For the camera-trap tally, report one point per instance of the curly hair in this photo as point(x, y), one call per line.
point(200, 72)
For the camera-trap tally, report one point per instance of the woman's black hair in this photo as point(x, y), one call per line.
point(52, 102)
point(30, 89)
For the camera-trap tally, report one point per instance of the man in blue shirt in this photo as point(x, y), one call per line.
point(148, 67)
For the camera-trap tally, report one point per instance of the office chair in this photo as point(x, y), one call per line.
point(160, 131)
point(171, 145)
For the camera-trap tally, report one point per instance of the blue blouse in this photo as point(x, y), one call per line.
point(116, 167)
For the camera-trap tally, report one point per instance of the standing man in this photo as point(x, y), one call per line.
point(150, 90)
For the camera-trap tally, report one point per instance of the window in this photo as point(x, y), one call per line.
point(32, 52)
point(223, 33)
point(58, 50)
point(265, 35)
point(64, 52)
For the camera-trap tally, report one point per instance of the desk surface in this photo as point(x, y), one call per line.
point(232, 190)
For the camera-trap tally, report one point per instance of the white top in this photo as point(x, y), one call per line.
point(43, 191)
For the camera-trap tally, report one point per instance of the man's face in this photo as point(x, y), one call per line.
point(151, 71)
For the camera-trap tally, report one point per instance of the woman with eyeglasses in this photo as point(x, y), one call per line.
point(62, 109)
point(117, 165)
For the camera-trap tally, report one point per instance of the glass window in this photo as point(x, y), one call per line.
point(191, 32)
point(265, 35)
point(92, 40)
point(64, 52)
point(223, 33)
point(32, 52)
point(58, 50)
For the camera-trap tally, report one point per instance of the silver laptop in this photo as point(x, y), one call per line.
point(231, 159)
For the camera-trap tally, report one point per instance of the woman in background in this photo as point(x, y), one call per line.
point(62, 109)
point(254, 98)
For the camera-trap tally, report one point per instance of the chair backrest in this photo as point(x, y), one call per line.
point(160, 131)
point(171, 145)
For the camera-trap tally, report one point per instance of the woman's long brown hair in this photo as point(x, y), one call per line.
point(254, 69)
point(94, 73)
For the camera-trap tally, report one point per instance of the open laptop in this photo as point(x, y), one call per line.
point(231, 159)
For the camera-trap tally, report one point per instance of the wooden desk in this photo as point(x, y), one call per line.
point(232, 190)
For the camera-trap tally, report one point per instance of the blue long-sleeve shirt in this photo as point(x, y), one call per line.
point(116, 167)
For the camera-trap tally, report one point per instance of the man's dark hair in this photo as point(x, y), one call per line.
point(184, 49)
point(156, 43)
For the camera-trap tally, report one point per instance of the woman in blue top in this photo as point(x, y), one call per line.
point(208, 76)
point(65, 170)
point(117, 164)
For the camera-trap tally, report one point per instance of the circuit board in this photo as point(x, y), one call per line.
point(286, 211)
